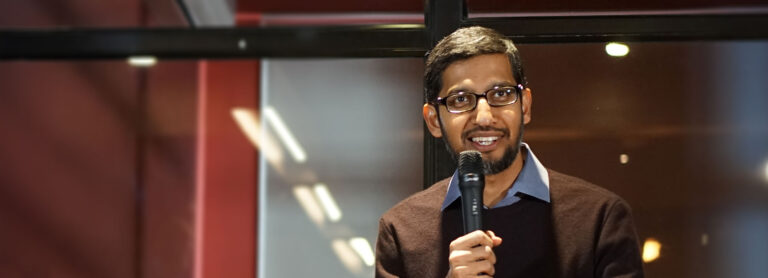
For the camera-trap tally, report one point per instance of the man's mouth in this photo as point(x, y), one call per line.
point(485, 141)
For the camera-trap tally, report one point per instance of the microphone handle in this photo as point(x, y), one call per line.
point(472, 208)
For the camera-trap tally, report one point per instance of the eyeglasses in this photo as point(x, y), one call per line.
point(467, 101)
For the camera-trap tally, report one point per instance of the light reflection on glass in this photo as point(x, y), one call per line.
point(307, 201)
point(329, 204)
point(651, 250)
point(623, 158)
point(765, 173)
point(248, 121)
point(347, 256)
point(363, 248)
point(285, 135)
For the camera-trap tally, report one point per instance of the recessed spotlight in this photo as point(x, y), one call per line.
point(142, 61)
point(616, 49)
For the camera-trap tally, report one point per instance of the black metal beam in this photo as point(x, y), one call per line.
point(603, 28)
point(384, 40)
point(441, 17)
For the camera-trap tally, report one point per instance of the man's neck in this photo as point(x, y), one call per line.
point(496, 186)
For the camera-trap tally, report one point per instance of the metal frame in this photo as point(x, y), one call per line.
point(385, 40)
point(376, 40)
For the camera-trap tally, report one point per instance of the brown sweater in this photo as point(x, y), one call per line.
point(585, 231)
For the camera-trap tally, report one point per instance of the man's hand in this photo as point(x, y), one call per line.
point(472, 255)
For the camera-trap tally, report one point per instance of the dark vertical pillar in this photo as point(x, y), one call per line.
point(441, 17)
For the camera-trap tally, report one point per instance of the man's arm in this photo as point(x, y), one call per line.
point(389, 262)
point(618, 252)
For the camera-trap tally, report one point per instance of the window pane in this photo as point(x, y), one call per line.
point(678, 130)
point(346, 139)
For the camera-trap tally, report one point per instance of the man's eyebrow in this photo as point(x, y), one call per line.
point(502, 83)
point(459, 89)
point(494, 84)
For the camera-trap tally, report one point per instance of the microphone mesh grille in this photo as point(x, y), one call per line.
point(470, 162)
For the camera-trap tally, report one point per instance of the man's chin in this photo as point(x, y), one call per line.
point(494, 166)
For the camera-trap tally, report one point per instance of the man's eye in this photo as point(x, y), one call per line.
point(501, 95)
point(458, 101)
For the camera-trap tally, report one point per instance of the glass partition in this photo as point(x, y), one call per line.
point(676, 129)
point(343, 143)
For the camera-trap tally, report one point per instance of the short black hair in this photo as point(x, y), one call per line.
point(462, 44)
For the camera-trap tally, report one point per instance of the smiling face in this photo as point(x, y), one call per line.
point(494, 131)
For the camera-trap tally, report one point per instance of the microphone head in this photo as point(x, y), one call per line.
point(470, 162)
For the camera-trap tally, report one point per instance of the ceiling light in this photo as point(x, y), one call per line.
point(616, 49)
point(142, 61)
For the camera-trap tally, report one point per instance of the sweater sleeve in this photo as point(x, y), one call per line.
point(618, 253)
point(388, 260)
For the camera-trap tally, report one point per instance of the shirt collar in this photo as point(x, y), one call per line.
point(533, 181)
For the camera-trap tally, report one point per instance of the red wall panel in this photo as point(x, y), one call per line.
point(227, 172)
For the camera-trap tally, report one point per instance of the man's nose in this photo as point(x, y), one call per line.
point(484, 117)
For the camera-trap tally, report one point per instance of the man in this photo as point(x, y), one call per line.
point(552, 225)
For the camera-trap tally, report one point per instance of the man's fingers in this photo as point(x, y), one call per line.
point(471, 240)
point(462, 257)
point(481, 267)
point(491, 255)
point(472, 255)
point(475, 269)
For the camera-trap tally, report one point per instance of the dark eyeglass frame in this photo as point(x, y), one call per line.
point(518, 91)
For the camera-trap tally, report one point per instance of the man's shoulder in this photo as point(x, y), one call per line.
point(566, 187)
point(419, 204)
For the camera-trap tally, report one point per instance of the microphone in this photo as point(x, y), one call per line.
point(471, 185)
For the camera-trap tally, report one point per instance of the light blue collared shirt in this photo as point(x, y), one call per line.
point(533, 181)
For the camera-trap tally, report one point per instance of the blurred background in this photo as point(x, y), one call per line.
point(281, 167)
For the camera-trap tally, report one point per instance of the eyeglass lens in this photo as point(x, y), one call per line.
point(463, 101)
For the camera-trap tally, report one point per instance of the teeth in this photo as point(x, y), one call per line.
point(485, 141)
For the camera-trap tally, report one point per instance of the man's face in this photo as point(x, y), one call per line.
point(494, 131)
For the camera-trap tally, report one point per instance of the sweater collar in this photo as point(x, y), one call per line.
point(533, 181)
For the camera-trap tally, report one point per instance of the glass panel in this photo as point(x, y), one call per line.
point(97, 168)
point(346, 144)
point(677, 129)
point(90, 14)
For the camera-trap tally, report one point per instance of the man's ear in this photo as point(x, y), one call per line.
point(430, 118)
point(527, 101)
